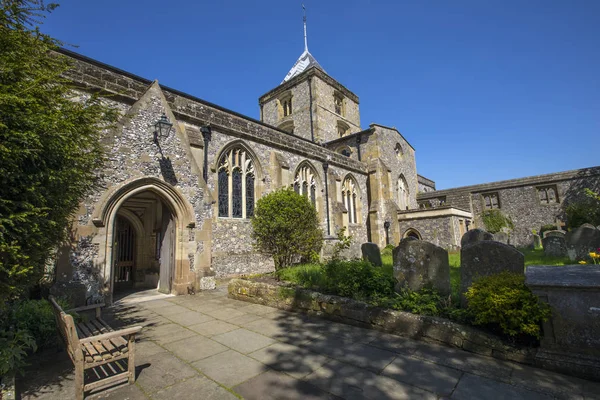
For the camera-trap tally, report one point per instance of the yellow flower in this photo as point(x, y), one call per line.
point(594, 255)
point(582, 262)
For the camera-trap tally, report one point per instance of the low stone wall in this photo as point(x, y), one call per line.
point(431, 329)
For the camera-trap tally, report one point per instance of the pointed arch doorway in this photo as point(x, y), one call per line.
point(144, 244)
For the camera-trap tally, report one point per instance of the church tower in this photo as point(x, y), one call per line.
point(310, 103)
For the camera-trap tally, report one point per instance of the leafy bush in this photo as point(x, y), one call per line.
point(25, 326)
point(426, 301)
point(286, 227)
point(495, 221)
point(503, 301)
point(357, 279)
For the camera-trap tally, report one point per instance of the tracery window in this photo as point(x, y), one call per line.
point(305, 184)
point(236, 180)
point(548, 194)
point(490, 201)
point(403, 194)
point(285, 104)
point(350, 198)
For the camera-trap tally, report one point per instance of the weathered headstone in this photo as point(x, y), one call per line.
point(487, 258)
point(371, 253)
point(557, 233)
point(537, 242)
point(408, 239)
point(581, 241)
point(418, 263)
point(555, 246)
point(501, 237)
point(474, 236)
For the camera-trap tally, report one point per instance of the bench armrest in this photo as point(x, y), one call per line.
point(85, 308)
point(109, 335)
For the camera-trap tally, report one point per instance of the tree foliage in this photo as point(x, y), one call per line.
point(286, 227)
point(49, 145)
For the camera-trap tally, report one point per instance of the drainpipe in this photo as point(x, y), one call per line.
point(325, 168)
point(310, 100)
point(358, 145)
point(206, 133)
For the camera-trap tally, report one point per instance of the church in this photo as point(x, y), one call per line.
point(173, 205)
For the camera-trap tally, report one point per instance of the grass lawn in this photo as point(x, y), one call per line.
point(311, 275)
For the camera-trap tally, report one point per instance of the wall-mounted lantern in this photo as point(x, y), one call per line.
point(162, 127)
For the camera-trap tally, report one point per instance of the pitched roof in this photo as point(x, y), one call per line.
point(305, 61)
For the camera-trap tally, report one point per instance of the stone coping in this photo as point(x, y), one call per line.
point(576, 276)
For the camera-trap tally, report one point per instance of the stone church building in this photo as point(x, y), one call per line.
point(182, 177)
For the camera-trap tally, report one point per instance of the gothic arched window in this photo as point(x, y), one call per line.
point(350, 199)
point(305, 184)
point(236, 180)
point(403, 199)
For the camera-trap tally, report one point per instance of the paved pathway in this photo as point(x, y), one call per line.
point(210, 347)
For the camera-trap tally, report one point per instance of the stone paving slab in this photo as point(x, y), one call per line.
point(276, 386)
point(366, 356)
point(198, 387)
point(195, 348)
point(243, 340)
point(295, 361)
point(214, 327)
point(230, 367)
point(350, 382)
point(225, 313)
point(477, 387)
point(190, 317)
point(161, 371)
point(423, 374)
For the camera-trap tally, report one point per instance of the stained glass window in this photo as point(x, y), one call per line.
point(305, 189)
point(349, 198)
point(297, 187)
point(249, 195)
point(313, 195)
point(236, 194)
point(223, 193)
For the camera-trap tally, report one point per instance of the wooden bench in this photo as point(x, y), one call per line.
point(93, 344)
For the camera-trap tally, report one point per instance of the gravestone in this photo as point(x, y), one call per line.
point(557, 233)
point(555, 246)
point(581, 241)
point(418, 263)
point(474, 236)
point(537, 241)
point(371, 253)
point(501, 237)
point(487, 258)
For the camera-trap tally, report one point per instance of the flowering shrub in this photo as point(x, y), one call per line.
point(594, 256)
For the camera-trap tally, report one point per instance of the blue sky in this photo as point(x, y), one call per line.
point(484, 90)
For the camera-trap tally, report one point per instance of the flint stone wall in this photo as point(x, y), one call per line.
point(418, 264)
point(487, 258)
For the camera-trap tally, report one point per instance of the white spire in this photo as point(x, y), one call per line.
point(306, 59)
point(305, 40)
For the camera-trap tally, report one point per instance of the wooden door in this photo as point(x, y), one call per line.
point(167, 255)
point(125, 261)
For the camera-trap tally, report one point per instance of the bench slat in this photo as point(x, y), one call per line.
point(119, 340)
point(98, 329)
